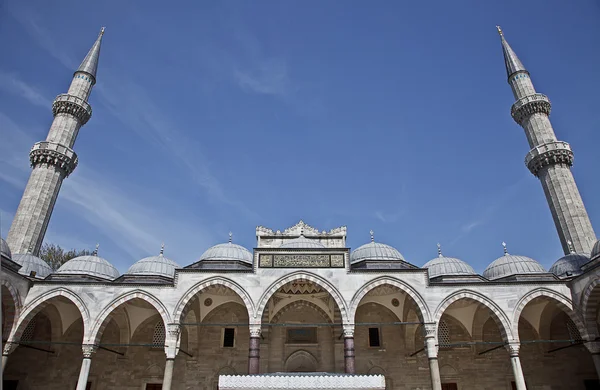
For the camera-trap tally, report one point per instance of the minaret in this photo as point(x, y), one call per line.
point(549, 160)
point(53, 160)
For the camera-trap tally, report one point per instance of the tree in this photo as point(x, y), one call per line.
point(56, 256)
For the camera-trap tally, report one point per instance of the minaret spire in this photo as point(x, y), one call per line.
point(549, 160)
point(54, 159)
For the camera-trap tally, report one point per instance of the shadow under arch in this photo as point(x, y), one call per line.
point(39, 303)
point(497, 313)
point(590, 305)
point(423, 313)
point(214, 281)
point(560, 300)
point(101, 321)
point(303, 275)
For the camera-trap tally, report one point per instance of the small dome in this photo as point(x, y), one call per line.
point(595, 251)
point(443, 266)
point(375, 251)
point(91, 265)
point(508, 265)
point(569, 265)
point(154, 265)
point(302, 242)
point(31, 263)
point(5, 249)
point(227, 251)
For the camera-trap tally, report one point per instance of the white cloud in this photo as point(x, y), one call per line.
point(11, 83)
point(267, 76)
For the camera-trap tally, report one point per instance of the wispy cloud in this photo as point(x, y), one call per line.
point(268, 76)
point(13, 84)
point(388, 217)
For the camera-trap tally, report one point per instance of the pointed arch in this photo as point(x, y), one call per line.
point(589, 304)
point(401, 285)
point(316, 279)
point(100, 323)
point(16, 307)
point(505, 328)
point(34, 307)
point(218, 280)
point(561, 301)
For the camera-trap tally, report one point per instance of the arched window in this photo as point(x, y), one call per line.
point(158, 339)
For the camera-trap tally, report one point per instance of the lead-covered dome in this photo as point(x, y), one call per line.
point(154, 266)
point(302, 242)
point(30, 263)
point(444, 266)
point(595, 251)
point(569, 265)
point(89, 265)
point(5, 249)
point(375, 251)
point(509, 265)
point(227, 251)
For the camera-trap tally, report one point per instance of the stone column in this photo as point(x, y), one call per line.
point(431, 349)
point(593, 347)
point(515, 362)
point(88, 349)
point(254, 350)
point(349, 362)
point(171, 350)
point(9, 347)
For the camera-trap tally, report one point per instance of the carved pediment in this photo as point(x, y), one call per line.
point(301, 228)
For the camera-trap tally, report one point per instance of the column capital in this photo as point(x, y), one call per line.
point(513, 348)
point(429, 330)
point(173, 331)
point(348, 331)
point(88, 350)
point(9, 347)
point(593, 347)
point(255, 330)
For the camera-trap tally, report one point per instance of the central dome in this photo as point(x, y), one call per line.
point(302, 242)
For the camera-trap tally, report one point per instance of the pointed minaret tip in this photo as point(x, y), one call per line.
point(500, 31)
point(90, 62)
point(102, 31)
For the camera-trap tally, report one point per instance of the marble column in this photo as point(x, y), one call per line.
point(88, 350)
point(513, 350)
point(254, 350)
point(349, 362)
point(431, 349)
point(594, 348)
point(171, 349)
point(9, 347)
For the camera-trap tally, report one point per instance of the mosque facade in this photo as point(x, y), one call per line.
point(301, 309)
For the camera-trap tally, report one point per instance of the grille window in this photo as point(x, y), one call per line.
point(573, 331)
point(443, 335)
point(158, 338)
point(374, 340)
point(28, 332)
point(228, 337)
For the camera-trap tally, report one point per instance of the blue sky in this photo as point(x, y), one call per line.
point(216, 116)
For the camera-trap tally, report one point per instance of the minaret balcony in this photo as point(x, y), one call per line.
point(551, 153)
point(529, 105)
point(52, 153)
point(76, 106)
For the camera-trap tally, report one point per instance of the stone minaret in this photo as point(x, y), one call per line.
point(53, 160)
point(549, 159)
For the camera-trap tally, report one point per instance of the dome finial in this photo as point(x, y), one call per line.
point(439, 250)
point(500, 31)
point(102, 31)
point(230, 237)
point(570, 244)
point(372, 235)
point(95, 253)
point(505, 250)
point(162, 249)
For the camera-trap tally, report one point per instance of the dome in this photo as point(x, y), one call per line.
point(570, 264)
point(595, 250)
point(302, 242)
point(31, 263)
point(227, 251)
point(154, 265)
point(375, 251)
point(91, 265)
point(5, 249)
point(508, 265)
point(442, 266)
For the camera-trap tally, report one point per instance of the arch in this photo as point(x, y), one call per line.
point(416, 297)
point(590, 301)
point(301, 303)
point(101, 323)
point(198, 287)
point(561, 301)
point(320, 281)
point(505, 328)
point(16, 307)
point(34, 307)
point(297, 359)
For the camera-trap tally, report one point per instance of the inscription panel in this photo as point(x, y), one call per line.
point(301, 260)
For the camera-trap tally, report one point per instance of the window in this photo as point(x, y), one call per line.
point(449, 386)
point(158, 338)
point(301, 336)
point(573, 331)
point(443, 334)
point(28, 332)
point(228, 337)
point(10, 384)
point(374, 340)
point(153, 386)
